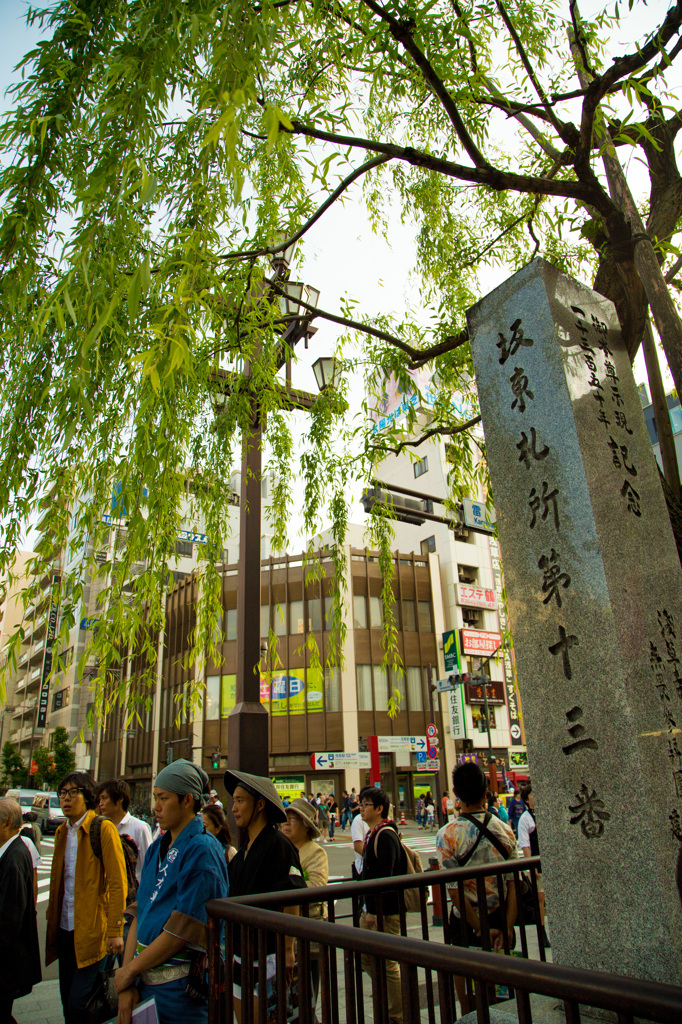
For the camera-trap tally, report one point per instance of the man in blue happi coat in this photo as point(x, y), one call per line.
point(183, 869)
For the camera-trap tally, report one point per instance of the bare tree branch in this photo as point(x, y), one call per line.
point(437, 431)
point(419, 356)
point(589, 191)
point(579, 39)
point(674, 271)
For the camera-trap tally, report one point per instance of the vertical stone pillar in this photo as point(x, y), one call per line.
point(595, 600)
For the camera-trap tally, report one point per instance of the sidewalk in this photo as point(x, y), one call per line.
point(42, 1006)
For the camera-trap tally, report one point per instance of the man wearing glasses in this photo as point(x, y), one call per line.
point(87, 896)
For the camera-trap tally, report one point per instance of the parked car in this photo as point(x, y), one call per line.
point(50, 815)
point(24, 797)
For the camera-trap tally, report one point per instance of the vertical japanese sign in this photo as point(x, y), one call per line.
point(47, 662)
point(458, 726)
point(511, 689)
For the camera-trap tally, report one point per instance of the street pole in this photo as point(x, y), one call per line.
point(248, 722)
point(431, 688)
point(484, 679)
point(247, 725)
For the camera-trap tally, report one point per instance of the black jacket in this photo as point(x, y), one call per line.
point(388, 860)
point(19, 950)
point(271, 865)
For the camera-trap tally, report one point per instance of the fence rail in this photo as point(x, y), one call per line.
point(428, 968)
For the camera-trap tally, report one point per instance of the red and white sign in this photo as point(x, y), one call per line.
point(431, 730)
point(477, 641)
point(475, 597)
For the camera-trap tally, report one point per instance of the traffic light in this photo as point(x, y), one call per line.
point(215, 760)
point(463, 678)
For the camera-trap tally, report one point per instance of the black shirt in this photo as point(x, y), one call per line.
point(271, 864)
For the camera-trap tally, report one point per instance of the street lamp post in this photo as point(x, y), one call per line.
point(247, 725)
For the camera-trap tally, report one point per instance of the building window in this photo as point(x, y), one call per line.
point(313, 615)
point(280, 617)
point(332, 688)
point(265, 620)
point(380, 688)
point(359, 611)
point(420, 467)
point(428, 545)
point(212, 699)
point(328, 611)
point(184, 548)
point(297, 624)
point(425, 620)
point(60, 699)
point(415, 692)
point(364, 680)
point(409, 616)
point(231, 624)
point(478, 716)
point(398, 681)
point(376, 612)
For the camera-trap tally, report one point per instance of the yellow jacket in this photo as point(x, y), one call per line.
point(100, 891)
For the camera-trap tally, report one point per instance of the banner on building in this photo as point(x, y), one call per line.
point(513, 703)
point(294, 692)
point(475, 597)
point(480, 643)
point(458, 725)
point(47, 662)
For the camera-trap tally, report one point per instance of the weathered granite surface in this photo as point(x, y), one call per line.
point(595, 599)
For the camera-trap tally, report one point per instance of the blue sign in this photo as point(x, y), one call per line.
point(478, 516)
point(421, 756)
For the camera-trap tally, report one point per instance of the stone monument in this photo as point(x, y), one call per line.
point(595, 600)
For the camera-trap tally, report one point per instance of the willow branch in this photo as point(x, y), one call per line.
point(402, 32)
point(530, 70)
point(271, 250)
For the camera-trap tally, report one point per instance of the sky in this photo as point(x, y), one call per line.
point(342, 256)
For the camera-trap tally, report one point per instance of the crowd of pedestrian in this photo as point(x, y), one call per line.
point(133, 903)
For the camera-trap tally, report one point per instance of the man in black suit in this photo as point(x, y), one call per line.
point(19, 952)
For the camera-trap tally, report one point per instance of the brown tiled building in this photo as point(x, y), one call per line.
point(312, 708)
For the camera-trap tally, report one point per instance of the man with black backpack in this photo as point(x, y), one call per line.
point(477, 837)
point(114, 801)
point(383, 857)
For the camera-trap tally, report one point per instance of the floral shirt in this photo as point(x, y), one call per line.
point(459, 836)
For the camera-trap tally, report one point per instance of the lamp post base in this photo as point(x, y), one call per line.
point(247, 738)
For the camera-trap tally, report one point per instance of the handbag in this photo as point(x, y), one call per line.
point(102, 1004)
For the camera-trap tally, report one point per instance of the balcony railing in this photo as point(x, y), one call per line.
point(428, 965)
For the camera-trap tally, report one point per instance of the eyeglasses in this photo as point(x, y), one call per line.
point(69, 793)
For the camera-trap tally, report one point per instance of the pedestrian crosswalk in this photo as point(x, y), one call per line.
point(46, 854)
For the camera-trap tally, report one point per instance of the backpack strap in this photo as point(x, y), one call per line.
point(96, 836)
point(385, 828)
point(466, 857)
point(483, 831)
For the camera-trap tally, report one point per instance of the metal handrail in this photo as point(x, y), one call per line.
point(629, 997)
point(445, 876)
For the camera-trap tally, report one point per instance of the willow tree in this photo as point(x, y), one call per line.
point(160, 152)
